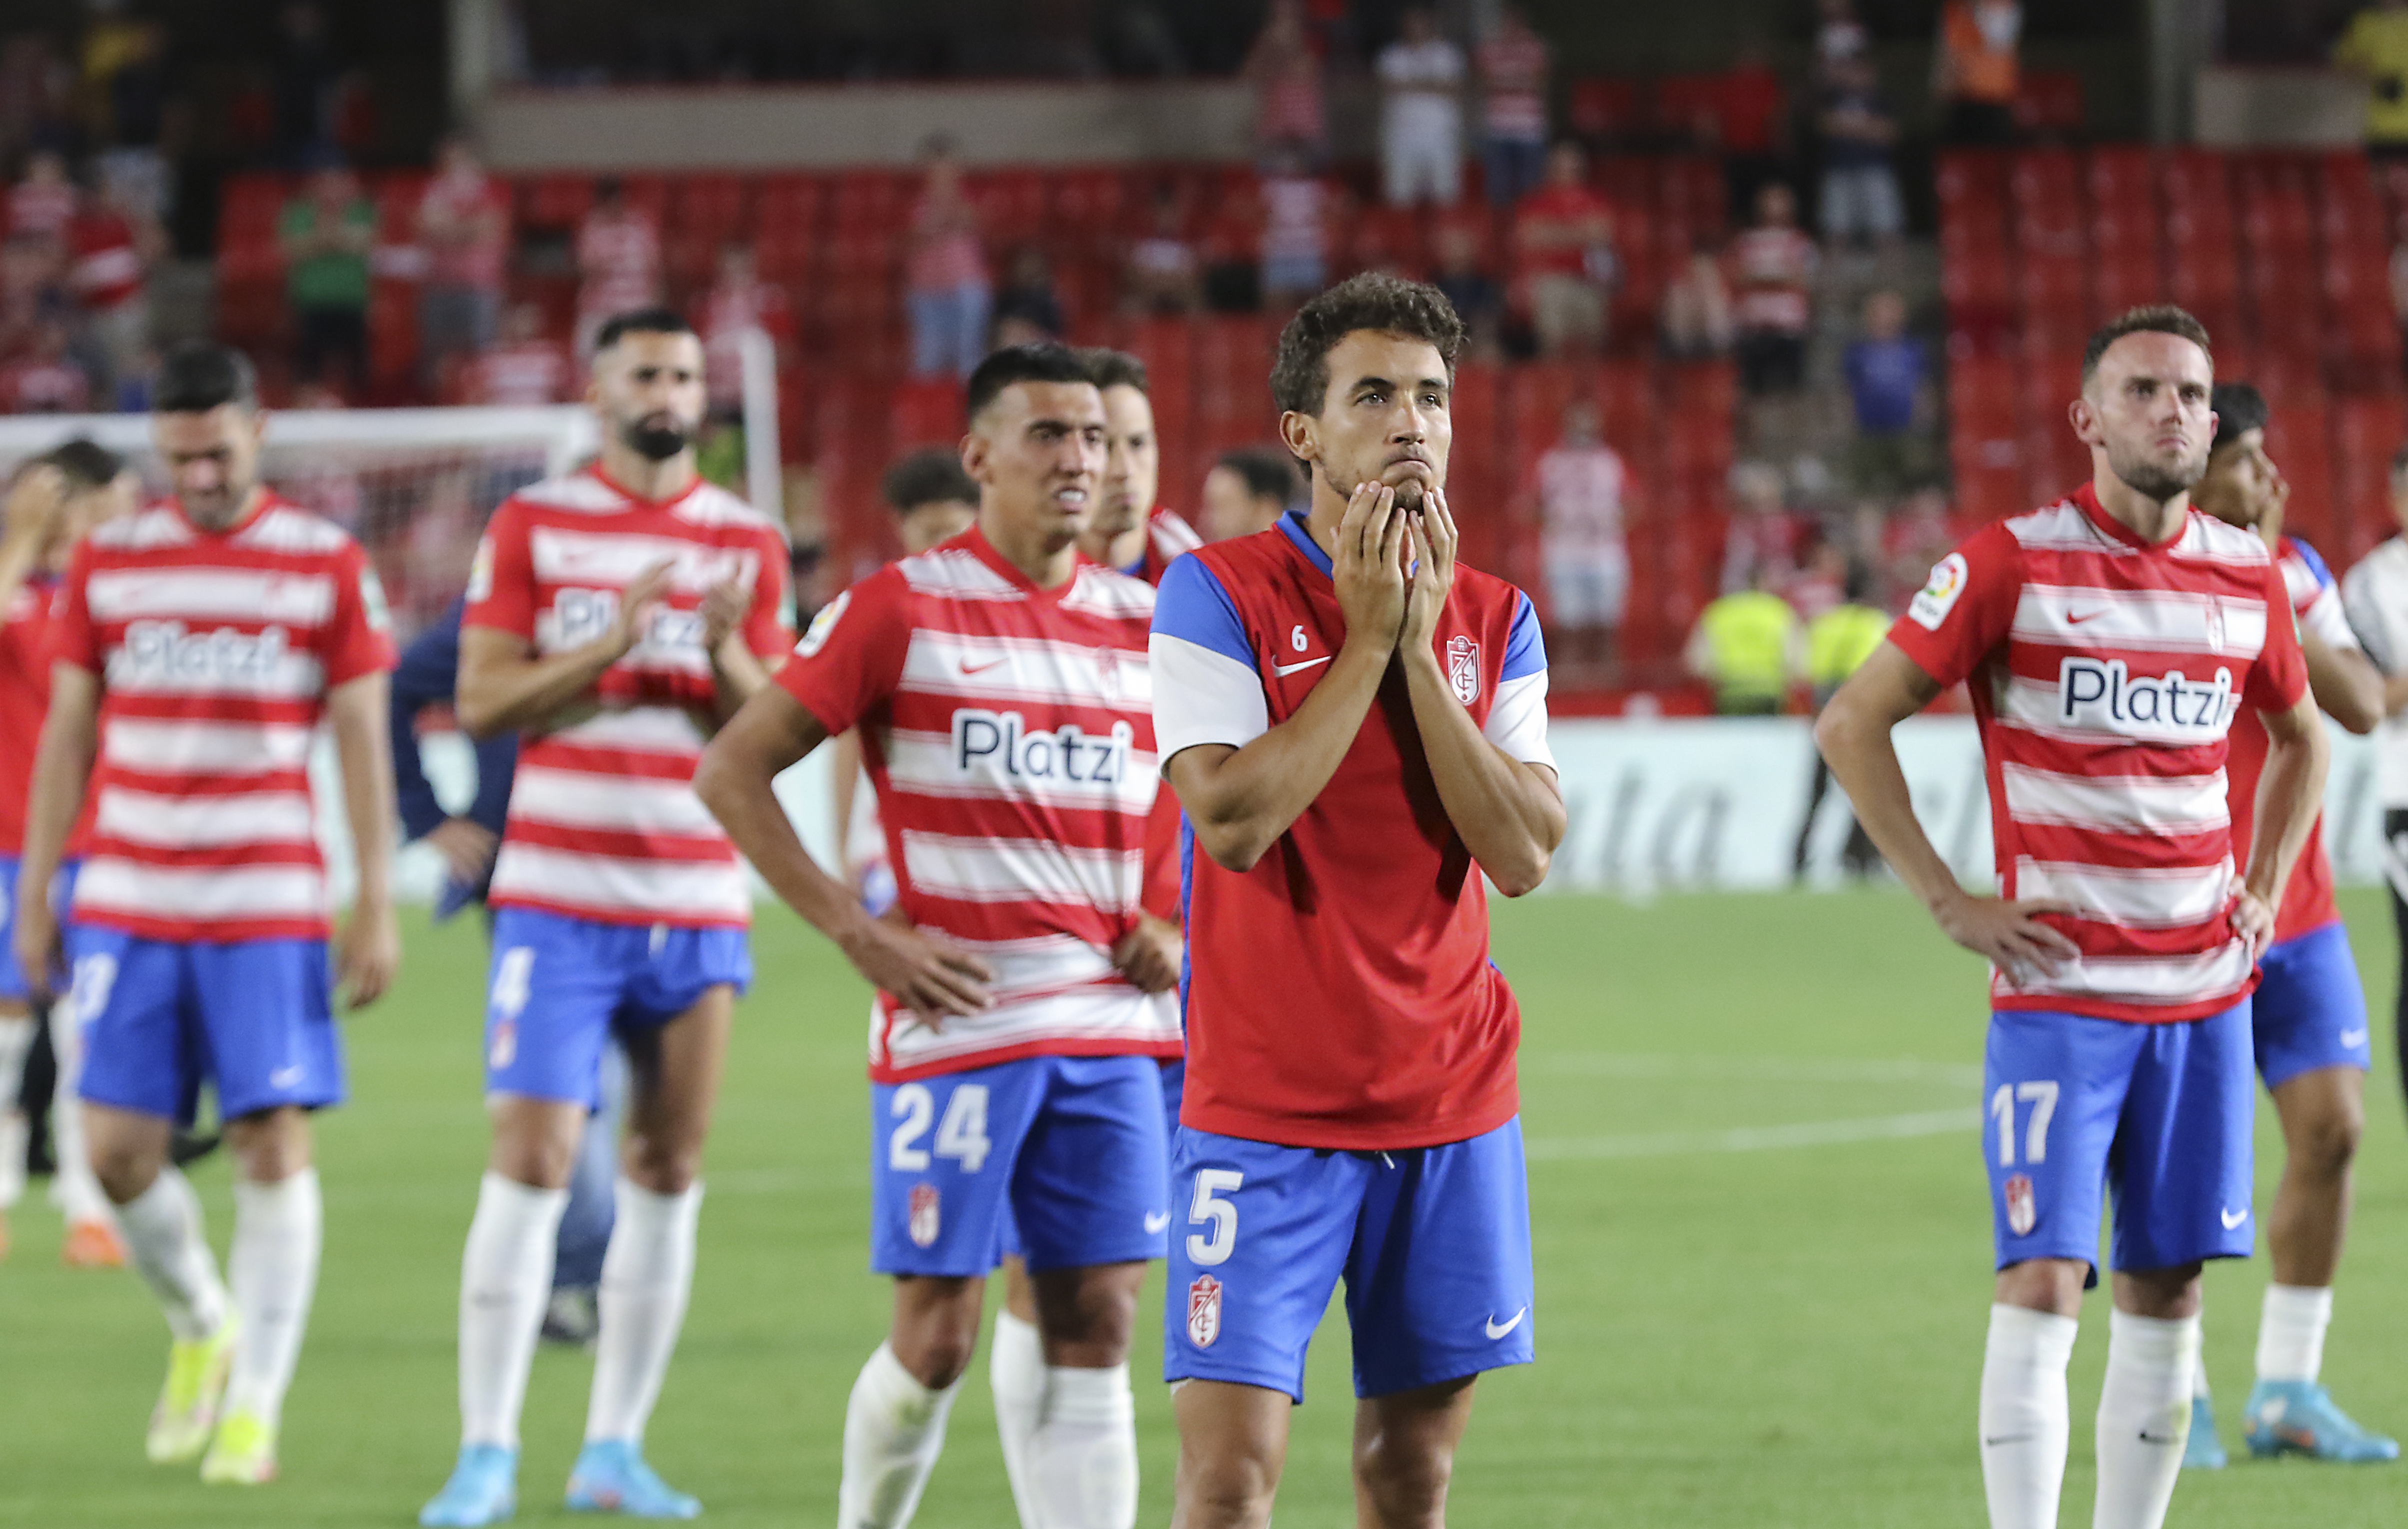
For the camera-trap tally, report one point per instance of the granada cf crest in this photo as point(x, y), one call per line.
point(1463, 668)
point(1203, 1311)
point(924, 1215)
point(504, 1048)
point(2023, 1211)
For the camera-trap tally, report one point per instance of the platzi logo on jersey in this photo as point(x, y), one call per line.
point(1203, 1311)
point(989, 740)
point(2103, 696)
point(1463, 668)
point(924, 1224)
point(157, 651)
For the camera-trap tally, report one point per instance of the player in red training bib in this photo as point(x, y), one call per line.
point(1000, 686)
point(1355, 726)
point(2308, 1018)
point(2108, 642)
point(197, 645)
point(615, 617)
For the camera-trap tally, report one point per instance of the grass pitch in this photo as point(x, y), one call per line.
point(1762, 1240)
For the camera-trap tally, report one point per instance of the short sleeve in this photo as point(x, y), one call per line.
point(2320, 613)
point(501, 579)
point(765, 631)
point(850, 657)
point(2375, 620)
point(1956, 619)
point(1206, 687)
point(2280, 677)
point(71, 638)
point(1517, 718)
point(358, 638)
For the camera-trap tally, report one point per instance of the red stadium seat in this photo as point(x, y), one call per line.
point(2367, 429)
point(1604, 108)
point(555, 201)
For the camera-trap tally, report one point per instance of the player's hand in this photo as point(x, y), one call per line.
point(724, 608)
point(1368, 569)
point(35, 505)
point(1149, 955)
point(2010, 934)
point(1431, 540)
point(637, 602)
point(2271, 507)
point(367, 953)
point(39, 955)
point(468, 848)
point(2252, 920)
point(927, 974)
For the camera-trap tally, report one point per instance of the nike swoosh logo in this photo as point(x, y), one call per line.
point(2353, 1038)
point(1283, 670)
point(1497, 1332)
point(1989, 1443)
point(967, 667)
point(283, 1077)
point(1155, 1222)
point(2072, 620)
point(2233, 1222)
point(2147, 1437)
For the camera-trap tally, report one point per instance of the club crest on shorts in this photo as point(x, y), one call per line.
point(504, 1048)
point(2023, 1213)
point(1463, 668)
point(1203, 1311)
point(923, 1223)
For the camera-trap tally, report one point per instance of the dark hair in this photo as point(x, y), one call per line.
point(1858, 585)
point(1374, 300)
point(640, 321)
point(2400, 461)
point(200, 375)
point(1046, 361)
point(2157, 319)
point(2238, 409)
point(1266, 476)
point(931, 476)
point(86, 464)
point(1110, 368)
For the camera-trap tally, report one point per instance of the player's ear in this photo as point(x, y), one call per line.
point(2086, 420)
point(1302, 435)
point(975, 453)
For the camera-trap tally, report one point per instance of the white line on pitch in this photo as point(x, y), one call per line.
point(1779, 1069)
point(1757, 1138)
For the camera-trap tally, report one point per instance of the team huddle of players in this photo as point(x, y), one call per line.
point(1249, 1023)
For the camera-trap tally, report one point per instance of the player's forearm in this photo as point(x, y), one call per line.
point(1856, 741)
point(1508, 814)
point(844, 766)
point(505, 695)
point(2395, 694)
point(734, 779)
point(738, 674)
point(1239, 806)
point(364, 752)
point(2344, 684)
point(62, 774)
point(2290, 794)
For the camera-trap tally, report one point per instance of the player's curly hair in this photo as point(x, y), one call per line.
point(1389, 303)
point(2156, 319)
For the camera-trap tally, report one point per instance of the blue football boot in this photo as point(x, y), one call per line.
point(2299, 1417)
point(612, 1477)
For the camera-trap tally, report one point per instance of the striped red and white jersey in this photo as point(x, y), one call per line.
point(1167, 536)
point(604, 823)
point(216, 651)
point(2105, 673)
point(1008, 732)
point(2308, 896)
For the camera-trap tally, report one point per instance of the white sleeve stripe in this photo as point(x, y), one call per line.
point(2325, 619)
point(1201, 696)
point(1517, 720)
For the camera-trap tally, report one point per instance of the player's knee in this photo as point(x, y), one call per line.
point(1230, 1491)
point(271, 1146)
point(125, 1170)
point(936, 1328)
point(1406, 1478)
point(1091, 1312)
point(2329, 1143)
point(663, 1167)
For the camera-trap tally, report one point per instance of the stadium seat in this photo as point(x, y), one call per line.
point(555, 202)
point(2366, 429)
point(2049, 101)
point(1604, 109)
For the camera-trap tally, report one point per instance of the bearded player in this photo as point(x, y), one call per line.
point(2108, 642)
point(615, 618)
point(2308, 1017)
point(1355, 726)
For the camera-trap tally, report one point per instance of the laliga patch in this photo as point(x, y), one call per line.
point(2023, 1211)
point(822, 626)
point(1463, 668)
point(1203, 1311)
point(1936, 599)
point(372, 600)
point(481, 570)
point(923, 1223)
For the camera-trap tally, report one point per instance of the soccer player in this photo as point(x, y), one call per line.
point(615, 618)
point(2108, 640)
point(1355, 726)
point(2376, 594)
point(197, 643)
point(1127, 530)
point(55, 500)
point(2308, 1017)
point(999, 683)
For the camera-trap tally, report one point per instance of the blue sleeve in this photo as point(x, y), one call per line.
point(1526, 648)
point(426, 675)
point(2316, 562)
point(1192, 605)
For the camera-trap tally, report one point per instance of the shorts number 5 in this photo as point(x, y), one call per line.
point(1208, 1208)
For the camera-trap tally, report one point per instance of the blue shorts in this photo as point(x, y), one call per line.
point(1433, 1243)
point(560, 986)
point(12, 982)
point(1174, 1090)
point(254, 1017)
point(1057, 1158)
point(2309, 1011)
point(2160, 1114)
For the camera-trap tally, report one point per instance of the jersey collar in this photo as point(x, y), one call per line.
point(2085, 498)
point(1299, 532)
point(975, 539)
point(637, 500)
point(266, 501)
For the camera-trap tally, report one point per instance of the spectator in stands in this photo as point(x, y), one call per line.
point(463, 225)
point(1577, 491)
point(1860, 198)
point(1751, 122)
point(1284, 69)
point(1840, 38)
point(1297, 211)
point(125, 67)
point(1889, 379)
point(1564, 234)
point(1513, 63)
point(1165, 273)
point(306, 73)
point(45, 378)
point(618, 260)
point(945, 278)
point(1763, 536)
point(1974, 69)
point(1421, 114)
point(110, 248)
point(1027, 309)
point(1917, 535)
point(43, 201)
point(1772, 272)
point(740, 300)
point(1479, 302)
point(326, 233)
point(528, 367)
point(1695, 323)
point(1247, 491)
point(1746, 644)
point(35, 89)
point(2375, 49)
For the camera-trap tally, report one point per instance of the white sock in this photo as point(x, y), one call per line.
point(1016, 1367)
point(169, 1249)
point(505, 1277)
point(2144, 1417)
point(78, 1191)
point(1082, 1462)
point(894, 1430)
point(278, 1229)
point(647, 1275)
point(2025, 1422)
point(16, 1039)
point(2291, 1332)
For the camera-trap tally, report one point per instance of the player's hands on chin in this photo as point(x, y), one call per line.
point(1432, 541)
point(2010, 934)
point(1149, 955)
point(39, 952)
point(2252, 920)
point(367, 953)
point(928, 974)
point(1368, 567)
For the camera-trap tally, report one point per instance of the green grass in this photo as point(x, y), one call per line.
point(1788, 1336)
